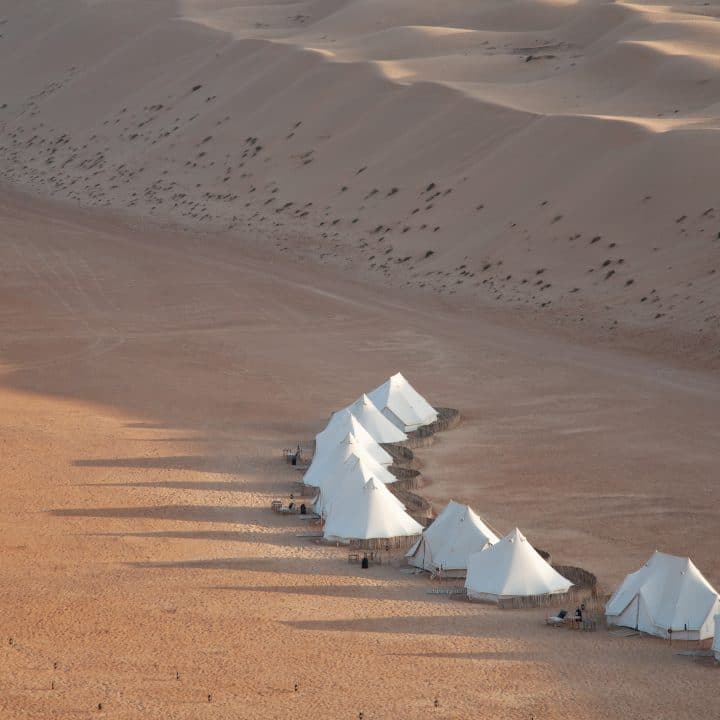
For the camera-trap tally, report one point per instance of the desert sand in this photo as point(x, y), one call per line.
point(150, 382)
point(221, 222)
point(556, 156)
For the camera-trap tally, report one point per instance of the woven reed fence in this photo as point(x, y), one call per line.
point(400, 454)
point(580, 578)
point(379, 544)
point(447, 419)
point(407, 478)
point(416, 505)
point(584, 590)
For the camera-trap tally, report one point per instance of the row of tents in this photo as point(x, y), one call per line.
point(459, 544)
point(349, 470)
point(667, 597)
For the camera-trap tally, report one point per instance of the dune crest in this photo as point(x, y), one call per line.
point(548, 155)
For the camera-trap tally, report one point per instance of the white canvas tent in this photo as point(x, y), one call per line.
point(716, 639)
point(667, 597)
point(353, 473)
point(398, 400)
point(445, 545)
point(511, 568)
point(362, 508)
point(377, 425)
point(342, 423)
point(327, 463)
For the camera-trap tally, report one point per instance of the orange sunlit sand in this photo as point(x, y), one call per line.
point(219, 223)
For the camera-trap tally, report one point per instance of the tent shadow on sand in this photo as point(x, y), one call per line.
point(353, 591)
point(284, 427)
point(267, 486)
point(491, 656)
point(285, 539)
point(199, 463)
point(276, 566)
point(443, 625)
point(150, 426)
point(188, 513)
point(179, 439)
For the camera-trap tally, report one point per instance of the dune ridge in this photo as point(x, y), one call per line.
point(547, 155)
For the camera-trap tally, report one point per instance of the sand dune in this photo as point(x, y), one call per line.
point(546, 155)
point(504, 194)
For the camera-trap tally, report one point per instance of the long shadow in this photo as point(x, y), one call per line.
point(149, 426)
point(269, 485)
point(373, 592)
point(250, 564)
point(243, 536)
point(185, 513)
point(199, 463)
point(492, 656)
point(179, 439)
point(464, 625)
point(229, 486)
point(292, 431)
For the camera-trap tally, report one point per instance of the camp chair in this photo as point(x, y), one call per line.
point(557, 620)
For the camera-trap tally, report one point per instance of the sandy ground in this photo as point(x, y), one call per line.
point(149, 383)
point(557, 156)
point(251, 213)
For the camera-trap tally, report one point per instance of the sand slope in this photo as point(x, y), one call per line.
point(560, 156)
point(149, 383)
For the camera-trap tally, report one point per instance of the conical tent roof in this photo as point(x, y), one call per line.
point(512, 568)
point(377, 425)
point(354, 471)
point(362, 508)
point(667, 596)
point(327, 463)
point(398, 400)
point(342, 423)
point(456, 533)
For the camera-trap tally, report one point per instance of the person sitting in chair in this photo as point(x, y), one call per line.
point(558, 619)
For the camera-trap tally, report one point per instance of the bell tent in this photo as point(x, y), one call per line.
point(327, 463)
point(342, 423)
point(333, 473)
point(398, 400)
point(445, 545)
point(716, 639)
point(353, 473)
point(667, 597)
point(377, 425)
point(362, 508)
point(511, 568)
